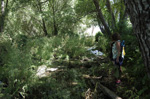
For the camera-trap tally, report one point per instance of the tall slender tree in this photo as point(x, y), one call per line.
point(4, 11)
point(39, 6)
point(54, 20)
point(113, 25)
point(139, 12)
point(101, 17)
point(2, 16)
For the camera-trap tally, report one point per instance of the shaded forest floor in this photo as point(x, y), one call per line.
point(73, 79)
point(70, 71)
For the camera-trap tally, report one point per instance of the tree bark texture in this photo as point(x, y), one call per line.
point(2, 16)
point(139, 12)
point(101, 17)
point(54, 20)
point(100, 25)
point(106, 91)
point(111, 13)
point(44, 27)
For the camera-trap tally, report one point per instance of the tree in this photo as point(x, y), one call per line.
point(61, 16)
point(2, 16)
point(39, 6)
point(101, 17)
point(139, 12)
point(107, 13)
point(111, 14)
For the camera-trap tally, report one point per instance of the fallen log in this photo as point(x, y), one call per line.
point(107, 91)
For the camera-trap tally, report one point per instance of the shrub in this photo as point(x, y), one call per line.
point(103, 44)
point(14, 72)
point(97, 36)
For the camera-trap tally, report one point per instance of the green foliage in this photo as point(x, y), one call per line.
point(51, 88)
point(98, 35)
point(83, 7)
point(88, 41)
point(73, 48)
point(14, 71)
point(23, 48)
point(22, 60)
point(19, 60)
point(103, 44)
point(21, 41)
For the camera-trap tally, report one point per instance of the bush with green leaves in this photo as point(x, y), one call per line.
point(89, 41)
point(59, 85)
point(74, 47)
point(98, 35)
point(15, 71)
point(103, 44)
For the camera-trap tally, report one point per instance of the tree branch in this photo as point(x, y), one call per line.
point(111, 13)
point(101, 17)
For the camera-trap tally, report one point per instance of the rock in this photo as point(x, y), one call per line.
point(41, 71)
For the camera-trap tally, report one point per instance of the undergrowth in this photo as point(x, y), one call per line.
point(21, 57)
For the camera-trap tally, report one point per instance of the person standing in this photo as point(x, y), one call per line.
point(116, 48)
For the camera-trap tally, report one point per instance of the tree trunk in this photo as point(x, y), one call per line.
point(101, 17)
point(139, 12)
point(44, 27)
point(4, 12)
point(43, 21)
point(54, 21)
point(100, 25)
point(112, 14)
point(2, 16)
